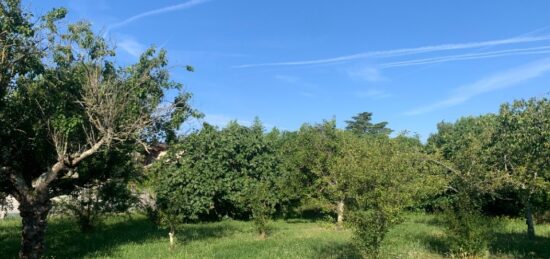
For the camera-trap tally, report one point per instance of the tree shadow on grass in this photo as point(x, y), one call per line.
point(203, 231)
point(519, 246)
point(436, 243)
point(299, 221)
point(337, 251)
point(434, 221)
point(516, 245)
point(9, 238)
point(64, 239)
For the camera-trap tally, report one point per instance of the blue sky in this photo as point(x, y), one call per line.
point(411, 63)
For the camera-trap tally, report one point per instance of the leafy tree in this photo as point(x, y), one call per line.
point(229, 172)
point(389, 175)
point(522, 150)
point(263, 188)
point(334, 165)
point(63, 101)
point(262, 201)
point(496, 155)
point(463, 149)
point(361, 124)
point(182, 193)
point(315, 151)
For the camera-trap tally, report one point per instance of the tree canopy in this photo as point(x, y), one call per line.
point(63, 100)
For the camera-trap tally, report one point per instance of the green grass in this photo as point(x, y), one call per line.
point(420, 236)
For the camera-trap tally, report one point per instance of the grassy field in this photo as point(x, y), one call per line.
point(421, 236)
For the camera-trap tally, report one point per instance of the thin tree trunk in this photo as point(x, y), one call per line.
point(529, 221)
point(34, 223)
point(340, 211)
point(172, 236)
point(263, 234)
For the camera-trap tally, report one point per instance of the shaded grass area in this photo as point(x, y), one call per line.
point(420, 236)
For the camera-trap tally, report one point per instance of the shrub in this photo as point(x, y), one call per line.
point(468, 232)
point(262, 205)
point(370, 228)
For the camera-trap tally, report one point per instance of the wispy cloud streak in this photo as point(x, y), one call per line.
point(166, 9)
point(491, 83)
point(404, 52)
point(469, 56)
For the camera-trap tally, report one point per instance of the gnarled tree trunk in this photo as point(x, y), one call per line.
point(33, 216)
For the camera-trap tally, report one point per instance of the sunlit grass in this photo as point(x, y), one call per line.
point(420, 236)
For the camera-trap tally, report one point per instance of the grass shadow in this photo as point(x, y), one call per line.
point(519, 246)
point(436, 243)
point(299, 220)
point(516, 245)
point(432, 221)
point(337, 251)
point(196, 232)
point(64, 239)
point(10, 238)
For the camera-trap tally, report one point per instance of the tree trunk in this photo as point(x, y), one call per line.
point(263, 234)
point(172, 236)
point(34, 223)
point(340, 212)
point(529, 221)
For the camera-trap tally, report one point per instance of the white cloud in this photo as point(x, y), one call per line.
point(491, 83)
point(158, 11)
point(405, 51)
point(131, 46)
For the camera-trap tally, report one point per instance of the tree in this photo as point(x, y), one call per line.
point(388, 175)
point(463, 150)
point(182, 193)
point(328, 161)
point(522, 150)
point(262, 199)
point(64, 101)
point(217, 173)
point(361, 124)
point(316, 149)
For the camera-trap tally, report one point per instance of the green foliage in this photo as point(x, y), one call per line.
point(181, 194)
point(216, 173)
point(361, 124)
point(310, 156)
point(522, 149)
point(468, 232)
point(370, 229)
point(262, 202)
point(56, 107)
point(64, 99)
point(389, 177)
point(498, 158)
